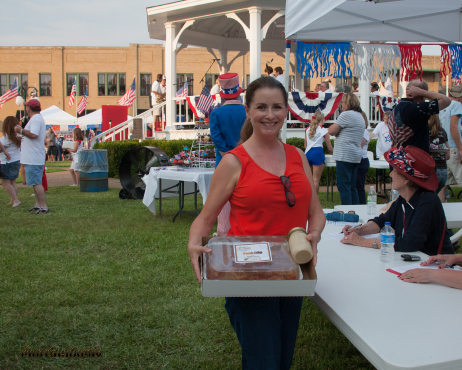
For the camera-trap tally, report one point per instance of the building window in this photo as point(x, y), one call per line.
point(45, 84)
point(111, 84)
point(210, 80)
point(180, 80)
point(82, 83)
point(7, 80)
point(145, 84)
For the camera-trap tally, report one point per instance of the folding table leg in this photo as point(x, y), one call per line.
point(160, 197)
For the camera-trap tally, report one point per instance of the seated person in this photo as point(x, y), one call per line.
point(442, 276)
point(417, 216)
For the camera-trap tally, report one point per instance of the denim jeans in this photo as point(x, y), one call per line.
point(266, 328)
point(346, 182)
point(442, 174)
point(361, 179)
point(58, 156)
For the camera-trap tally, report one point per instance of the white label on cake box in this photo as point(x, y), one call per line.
point(258, 252)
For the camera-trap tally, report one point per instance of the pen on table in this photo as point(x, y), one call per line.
point(352, 228)
point(444, 263)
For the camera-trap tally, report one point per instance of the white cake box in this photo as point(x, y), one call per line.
point(67, 144)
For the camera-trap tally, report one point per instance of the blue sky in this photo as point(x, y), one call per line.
point(83, 23)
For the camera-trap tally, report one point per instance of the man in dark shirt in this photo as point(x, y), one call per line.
point(408, 123)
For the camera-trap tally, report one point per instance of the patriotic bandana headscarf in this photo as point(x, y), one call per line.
point(404, 161)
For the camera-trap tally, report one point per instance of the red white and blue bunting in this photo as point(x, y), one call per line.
point(303, 105)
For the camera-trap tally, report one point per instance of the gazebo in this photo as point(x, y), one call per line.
point(224, 25)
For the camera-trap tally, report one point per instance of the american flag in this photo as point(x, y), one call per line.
point(83, 102)
point(399, 132)
point(129, 97)
point(243, 86)
point(205, 100)
point(303, 105)
point(72, 96)
point(10, 94)
point(183, 92)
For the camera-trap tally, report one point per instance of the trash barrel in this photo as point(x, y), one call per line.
point(93, 167)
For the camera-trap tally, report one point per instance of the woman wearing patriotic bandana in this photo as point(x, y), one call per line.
point(417, 216)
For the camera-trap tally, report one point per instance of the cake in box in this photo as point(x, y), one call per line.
point(250, 258)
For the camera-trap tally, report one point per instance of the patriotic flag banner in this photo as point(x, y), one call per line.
point(411, 61)
point(129, 97)
point(192, 102)
point(73, 91)
point(303, 105)
point(10, 94)
point(387, 104)
point(83, 102)
point(205, 101)
point(183, 92)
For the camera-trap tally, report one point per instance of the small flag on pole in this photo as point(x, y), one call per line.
point(10, 94)
point(183, 92)
point(73, 91)
point(83, 102)
point(243, 86)
point(129, 97)
point(205, 100)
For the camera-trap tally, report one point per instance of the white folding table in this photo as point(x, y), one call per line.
point(395, 325)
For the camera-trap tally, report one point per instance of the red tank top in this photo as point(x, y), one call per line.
point(258, 203)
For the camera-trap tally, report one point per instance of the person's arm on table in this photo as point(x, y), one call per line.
point(316, 216)
point(446, 277)
point(224, 181)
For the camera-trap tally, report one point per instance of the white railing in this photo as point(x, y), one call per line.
point(186, 120)
point(124, 128)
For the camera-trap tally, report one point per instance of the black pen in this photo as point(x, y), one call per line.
point(352, 228)
point(444, 263)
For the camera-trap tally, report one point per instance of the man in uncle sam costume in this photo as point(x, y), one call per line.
point(225, 128)
point(226, 121)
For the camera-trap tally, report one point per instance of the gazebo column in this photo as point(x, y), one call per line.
point(255, 43)
point(170, 73)
point(223, 62)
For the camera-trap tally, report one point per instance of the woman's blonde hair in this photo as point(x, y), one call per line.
point(78, 134)
point(352, 102)
point(317, 119)
point(8, 126)
point(264, 82)
point(434, 124)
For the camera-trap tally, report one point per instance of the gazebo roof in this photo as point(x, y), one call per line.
point(212, 28)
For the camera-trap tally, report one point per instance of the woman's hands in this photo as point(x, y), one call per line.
point(314, 239)
point(195, 251)
point(353, 238)
point(418, 276)
point(450, 259)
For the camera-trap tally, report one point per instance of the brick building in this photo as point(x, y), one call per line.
point(109, 71)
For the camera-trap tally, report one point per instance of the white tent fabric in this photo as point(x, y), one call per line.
point(56, 116)
point(93, 119)
point(395, 21)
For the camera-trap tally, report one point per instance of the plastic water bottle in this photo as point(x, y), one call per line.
point(371, 202)
point(387, 244)
point(394, 195)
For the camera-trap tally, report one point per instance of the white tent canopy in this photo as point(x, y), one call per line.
point(93, 120)
point(377, 21)
point(56, 116)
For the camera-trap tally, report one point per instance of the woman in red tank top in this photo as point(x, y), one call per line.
point(269, 186)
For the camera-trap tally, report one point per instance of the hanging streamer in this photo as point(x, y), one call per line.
point(456, 60)
point(411, 61)
point(445, 67)
point(323, 59)
point(375, 62)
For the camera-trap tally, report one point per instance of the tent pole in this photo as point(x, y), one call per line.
point(286, 85)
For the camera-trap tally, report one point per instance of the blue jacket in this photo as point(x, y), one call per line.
point(225, 127)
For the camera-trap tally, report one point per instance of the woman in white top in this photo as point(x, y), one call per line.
point(78, 145)
point(315, 135)
point(10, 156)
point(383, 136)
point(363, 165)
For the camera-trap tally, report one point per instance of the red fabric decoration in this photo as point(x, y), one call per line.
point(411, 61)
point(445, 68)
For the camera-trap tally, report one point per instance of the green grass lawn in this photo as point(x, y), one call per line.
point(105, 273)
point(66, 164)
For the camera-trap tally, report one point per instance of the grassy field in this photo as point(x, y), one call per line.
point(105, 273)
